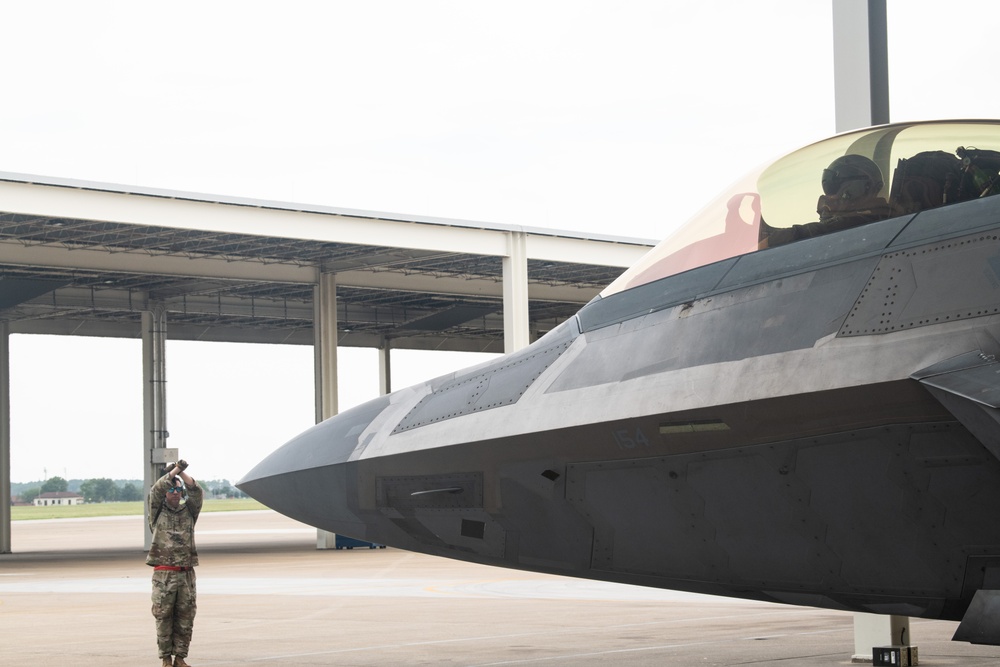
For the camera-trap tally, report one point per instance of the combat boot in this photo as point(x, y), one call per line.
point(179, 662)
point(166, 663)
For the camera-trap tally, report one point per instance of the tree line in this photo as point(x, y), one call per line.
point(104, 490)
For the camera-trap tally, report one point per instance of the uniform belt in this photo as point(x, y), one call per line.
point(172, 568)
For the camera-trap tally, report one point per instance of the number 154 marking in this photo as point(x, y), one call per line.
point(626, 438)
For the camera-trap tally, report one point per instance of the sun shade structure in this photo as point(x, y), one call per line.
point(88, 258)
point(96, 259)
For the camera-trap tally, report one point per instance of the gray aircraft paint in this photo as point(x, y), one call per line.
point(803, 425)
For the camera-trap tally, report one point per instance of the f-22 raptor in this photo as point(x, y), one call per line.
point(794, 398)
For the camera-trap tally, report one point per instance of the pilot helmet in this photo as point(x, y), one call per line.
point(852, 177)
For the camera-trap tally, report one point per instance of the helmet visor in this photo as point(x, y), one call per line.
point(834, 180)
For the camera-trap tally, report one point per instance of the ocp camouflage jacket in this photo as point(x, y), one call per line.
point(173, 530)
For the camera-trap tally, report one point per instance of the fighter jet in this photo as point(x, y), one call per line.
point(794, 398)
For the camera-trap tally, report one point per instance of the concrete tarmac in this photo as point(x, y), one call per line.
point(76, 592)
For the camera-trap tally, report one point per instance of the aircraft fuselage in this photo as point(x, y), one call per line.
point(812, 424)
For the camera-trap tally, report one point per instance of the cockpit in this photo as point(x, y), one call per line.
point(843, 182)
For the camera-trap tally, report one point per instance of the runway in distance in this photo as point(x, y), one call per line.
point(794, 398)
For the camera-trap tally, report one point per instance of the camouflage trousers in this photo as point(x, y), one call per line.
point(174, 606)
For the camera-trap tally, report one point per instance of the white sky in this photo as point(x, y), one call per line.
point(617, 117)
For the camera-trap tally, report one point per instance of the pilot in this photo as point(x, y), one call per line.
point(851, 186)
point(173, 556)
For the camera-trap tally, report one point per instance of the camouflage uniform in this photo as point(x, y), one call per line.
point(174, 590)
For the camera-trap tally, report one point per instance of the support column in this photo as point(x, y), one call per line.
point(325, 345)
point(154, 404)
point(860, 64)
point(325, 358)
point(5, 544)
point(861, 98)
point(515, 293)
point(384, 369)
point(871, 630)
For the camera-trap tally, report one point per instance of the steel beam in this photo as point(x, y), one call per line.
point(53, 257)
point(62, 198)
point(5, 542)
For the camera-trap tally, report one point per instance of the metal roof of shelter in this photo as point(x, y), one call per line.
point(87, 258)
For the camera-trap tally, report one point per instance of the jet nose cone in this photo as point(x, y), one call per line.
point(306, 478)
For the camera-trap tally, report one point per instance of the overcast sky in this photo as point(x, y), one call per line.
point(613, 117)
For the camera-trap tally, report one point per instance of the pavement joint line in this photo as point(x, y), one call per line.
point(655, 648)
point(545, 632)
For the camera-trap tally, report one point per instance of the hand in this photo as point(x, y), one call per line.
point(182, 465)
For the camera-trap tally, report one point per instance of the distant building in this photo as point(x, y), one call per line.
point(58, 498)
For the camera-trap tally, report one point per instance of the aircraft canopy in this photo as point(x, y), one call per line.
point(923, 165)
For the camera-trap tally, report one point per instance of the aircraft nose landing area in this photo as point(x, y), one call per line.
point(76, 592)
